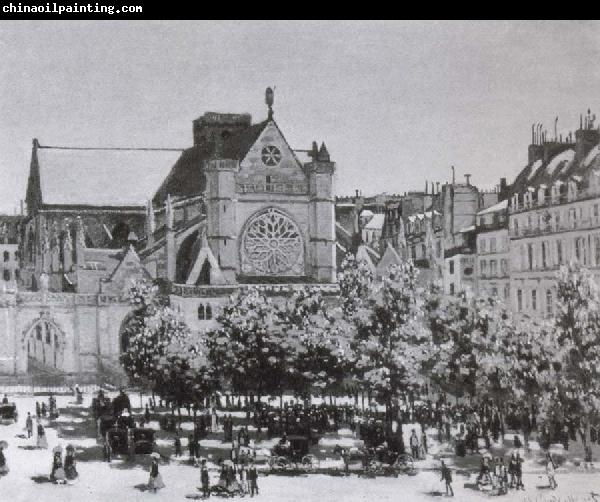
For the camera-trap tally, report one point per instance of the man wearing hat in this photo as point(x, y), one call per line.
point(253, 478)
point(204, 479)
point(29, 425)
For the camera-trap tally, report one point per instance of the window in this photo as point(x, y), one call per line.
point(451, 266)
point(503, 266)
point(556, 221)
point(482, 246)
point(597, 249)
point(201, 312)
point(544, 254)
point(549, 303)
point(506, 291)
point(6, 256)
point(519, 300)
point(269, 186)
point(483, 267)
point(6, 274)
point(530, 256)
point(580, 254)
point(493, 245)
point(452, 288)
point(438, 248)
point(516, 227)
point(493, 268)
point(573, 218)
point(494, 292)
point(595, 213)
point(559, 252)
point(534, 299)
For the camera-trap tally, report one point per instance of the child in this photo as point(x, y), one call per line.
point(447, 478)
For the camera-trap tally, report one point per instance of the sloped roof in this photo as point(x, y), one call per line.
point(503, 204)
point(186, 177)
point(559, 167)
point(101, 177)
point(376, 222)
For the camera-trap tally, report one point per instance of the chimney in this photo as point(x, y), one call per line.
point(453, 175)
point(468, 178)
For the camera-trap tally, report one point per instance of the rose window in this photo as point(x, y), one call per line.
point(272, 245)
point(270, 155)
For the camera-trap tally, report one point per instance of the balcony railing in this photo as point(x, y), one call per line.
point(551, 228)
point(564, 198)
point(294, 188)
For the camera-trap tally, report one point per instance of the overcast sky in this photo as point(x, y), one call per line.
point(396, 103)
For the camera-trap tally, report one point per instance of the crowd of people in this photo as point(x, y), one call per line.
point(470, 428)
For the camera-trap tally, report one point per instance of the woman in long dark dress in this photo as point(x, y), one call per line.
point(70, 468)
point(57, 475)
point(3, 463)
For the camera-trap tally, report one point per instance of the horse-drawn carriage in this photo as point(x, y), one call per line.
point(8, 413)
point(293, 452)
point(379, 460)
point(143, 440)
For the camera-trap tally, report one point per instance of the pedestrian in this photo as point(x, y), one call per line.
point(519, 472)
point(3, 463)
point(243, 478)
point(42, 442)
point(43, 409)
point(155, 481)
point(5, 399)
point(147, 413)
point(447, 478)
point(424, 442)
point(550, 471)
point(252, 478)
point(191, 447)
point(414, 444)
point(177, 445)
point(57, 474)
point(29, 425)
point(107, 450)
point(204, 479)
point(503, 477)
point(70, 467)
point(512, 470)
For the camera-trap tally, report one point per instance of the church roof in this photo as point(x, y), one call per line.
point(186, 178)
point(101, 177)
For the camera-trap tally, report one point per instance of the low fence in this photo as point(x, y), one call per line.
point(56, 384)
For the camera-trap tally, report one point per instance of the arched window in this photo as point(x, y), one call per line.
point(208, 312)
point(6, 256)
point(201, 312)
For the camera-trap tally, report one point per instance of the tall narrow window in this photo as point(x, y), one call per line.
point(208, 312)
point(519, 300)
point(559, 252)
point(549, 303)
point(534, 299)
point(201, 312)
point(544, 254)
point(530, 256)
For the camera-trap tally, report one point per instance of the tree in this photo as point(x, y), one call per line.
point(154, 336)
point(250, 348)
point(322, 350)
point(391, 339)
point(577, 341)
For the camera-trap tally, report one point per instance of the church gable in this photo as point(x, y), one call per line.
point(270, 155)
point(129, 269)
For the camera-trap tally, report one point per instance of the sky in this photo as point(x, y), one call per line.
point(397, 103)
